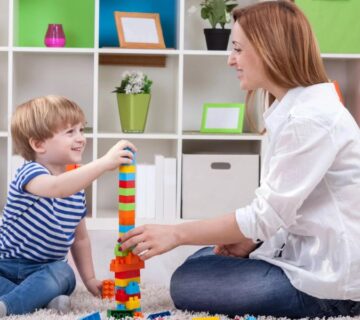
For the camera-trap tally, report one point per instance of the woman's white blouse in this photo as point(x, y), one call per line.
point(307, 208)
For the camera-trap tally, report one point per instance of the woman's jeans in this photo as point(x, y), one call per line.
point(239, 286)
point(28, 285)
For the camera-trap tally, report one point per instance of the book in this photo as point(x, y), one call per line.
point(169, 188)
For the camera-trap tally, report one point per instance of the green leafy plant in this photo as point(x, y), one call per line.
point(134, 82)
point(217, 11)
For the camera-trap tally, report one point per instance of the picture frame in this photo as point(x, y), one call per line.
point(222, 118)
point(139, 30)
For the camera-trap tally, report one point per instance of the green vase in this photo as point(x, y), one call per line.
point(133, 111)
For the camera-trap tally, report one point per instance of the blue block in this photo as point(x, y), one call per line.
point(132, 288)
point(159, 315)
point(93, 316)
point(127, 176)
point(250, 318)
point(124, 229)
point(121, 307)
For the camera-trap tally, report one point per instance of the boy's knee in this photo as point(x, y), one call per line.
point(63, 276)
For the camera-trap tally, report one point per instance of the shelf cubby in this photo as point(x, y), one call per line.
point(69, 75)
point(31, 19)
point(3, 91)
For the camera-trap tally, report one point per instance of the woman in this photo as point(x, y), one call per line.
point(302, 228)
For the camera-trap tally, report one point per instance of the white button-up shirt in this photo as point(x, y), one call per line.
point(307, 208)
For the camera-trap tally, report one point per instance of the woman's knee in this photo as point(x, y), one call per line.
point(62, 276)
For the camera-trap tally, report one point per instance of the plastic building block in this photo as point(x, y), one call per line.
point(127, 184)
point(124, 229)
point(206, 318)
point(70, 167)
point(127, 169)
point(108, 289)
point(93, 316)
point(127, 274)
point(126, 191)
point(133, 303)
point(118, 252)
point(122, 296)
point(127, 218)
point(127, 176)
point(126, 206)
point(158, 315)
point(119, 314)
point(125, 282)
point(127, 199)
point(132, 288)
point(250, 318)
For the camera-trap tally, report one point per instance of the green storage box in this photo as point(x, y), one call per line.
point(336, 24)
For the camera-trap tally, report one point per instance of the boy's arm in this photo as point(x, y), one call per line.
point(71, 182)
point(81, 252)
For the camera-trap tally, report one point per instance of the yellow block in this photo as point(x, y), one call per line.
point(127, 169)
point(125, 282)
point(206, 318)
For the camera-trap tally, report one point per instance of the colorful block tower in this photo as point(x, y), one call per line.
point(126, 265)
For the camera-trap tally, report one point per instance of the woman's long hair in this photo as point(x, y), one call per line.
point(283, 39)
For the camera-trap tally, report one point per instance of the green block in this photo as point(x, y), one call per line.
point(120, 253)
point(127, 206)
point(119, 314)
point(336, 24)
point(126, 191)
point(77, 18)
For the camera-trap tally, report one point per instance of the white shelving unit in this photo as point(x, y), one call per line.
point(191, 77)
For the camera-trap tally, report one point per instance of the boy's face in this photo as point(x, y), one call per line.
point(65, 147)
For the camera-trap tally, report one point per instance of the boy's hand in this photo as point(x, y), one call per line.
point(94, 286)
point(118, 155)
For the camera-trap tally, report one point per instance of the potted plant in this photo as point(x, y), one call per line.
point(133, 97)
point(217, 12)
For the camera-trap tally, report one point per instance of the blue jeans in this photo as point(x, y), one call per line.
point(239, 286)
point(28, 285)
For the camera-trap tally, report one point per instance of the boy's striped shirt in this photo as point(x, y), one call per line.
point(37, 228)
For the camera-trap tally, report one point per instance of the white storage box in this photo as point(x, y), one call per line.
point(214, 184)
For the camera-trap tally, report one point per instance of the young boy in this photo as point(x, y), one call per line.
point(43, 216)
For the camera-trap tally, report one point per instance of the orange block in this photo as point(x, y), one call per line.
point(128, 263)
point(108, 289)
point(127, 218)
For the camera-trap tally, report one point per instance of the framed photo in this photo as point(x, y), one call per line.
point(222, 118)
point(139, 30)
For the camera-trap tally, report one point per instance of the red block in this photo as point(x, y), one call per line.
point(127, 184)
point(127, 274)
point(121, 296)
point(127, 199)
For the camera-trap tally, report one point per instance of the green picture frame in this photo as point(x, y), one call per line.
point(222, 118)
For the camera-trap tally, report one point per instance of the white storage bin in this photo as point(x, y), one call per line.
point(214, 184)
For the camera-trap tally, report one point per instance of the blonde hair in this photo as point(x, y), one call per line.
point(282, 37)
point(40, 119)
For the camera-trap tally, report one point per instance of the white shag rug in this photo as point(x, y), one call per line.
point(154, 299)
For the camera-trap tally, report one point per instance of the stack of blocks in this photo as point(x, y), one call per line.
point(126, 265)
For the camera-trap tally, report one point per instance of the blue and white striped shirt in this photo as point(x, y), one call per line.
point(38, 228)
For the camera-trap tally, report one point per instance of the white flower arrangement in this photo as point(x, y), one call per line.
point(134, 82)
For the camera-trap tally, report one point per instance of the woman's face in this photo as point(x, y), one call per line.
point(250, 69)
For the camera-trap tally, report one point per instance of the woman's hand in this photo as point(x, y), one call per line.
point(241, 249)
point(94, 286)
point(150, 240)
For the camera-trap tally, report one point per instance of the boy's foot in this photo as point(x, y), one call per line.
point(3, 309)
point(60, 304)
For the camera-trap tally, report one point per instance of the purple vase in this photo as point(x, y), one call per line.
point(55, 36)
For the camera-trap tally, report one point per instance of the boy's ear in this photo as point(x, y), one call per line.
point(37, 145)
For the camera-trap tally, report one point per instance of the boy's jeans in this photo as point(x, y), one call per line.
point(27, 285)
point(239, 286)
